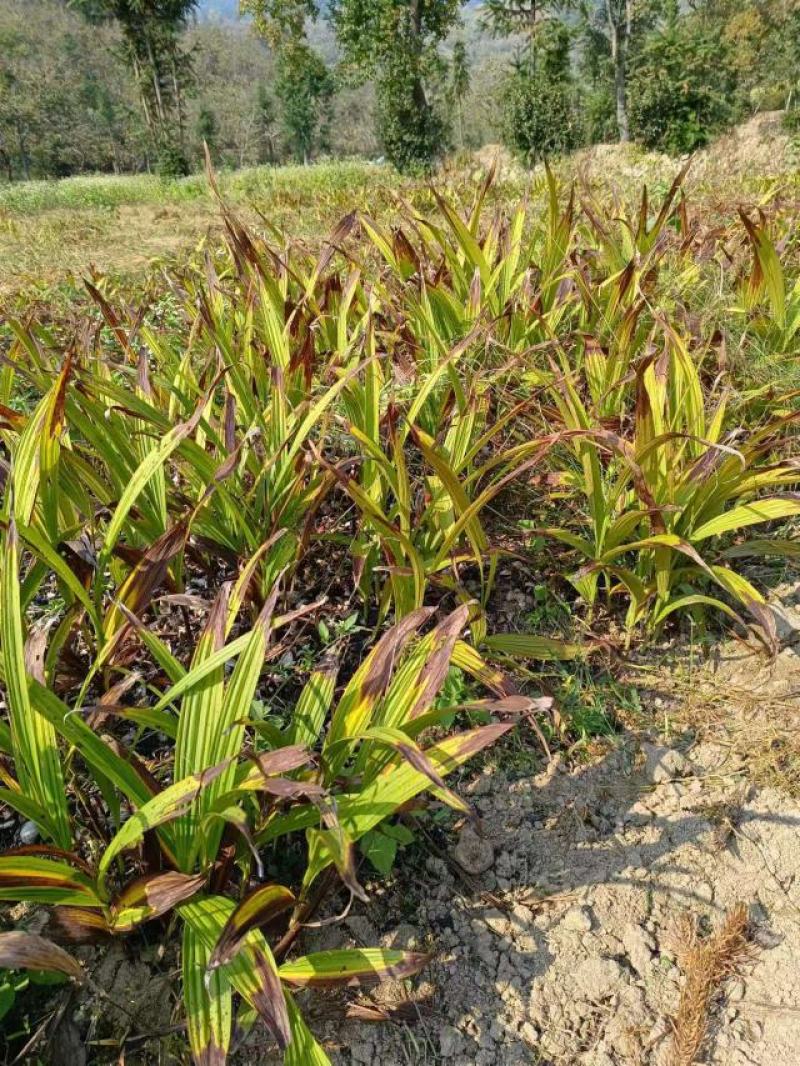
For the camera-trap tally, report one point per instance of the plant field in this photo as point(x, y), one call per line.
point(265, 506)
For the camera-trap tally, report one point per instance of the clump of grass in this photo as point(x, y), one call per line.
point(708, 963)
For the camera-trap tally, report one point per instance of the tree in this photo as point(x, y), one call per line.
point(280, 22)
point(683, 86)
point(393, 42)
point(207, 126)
point(622, 24)
point(396, 43)
point(762, 39)
point(525, 17)
point(266, 121)
point(540, 117)
point(66, 102)
point(234, 78)
point(459, 85)
point(304, 88)
point(619, 20)
point(596, 80)
point(151, 33)
point(538, 114)
point(304, 85)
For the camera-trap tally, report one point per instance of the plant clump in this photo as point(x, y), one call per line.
point(253, 531)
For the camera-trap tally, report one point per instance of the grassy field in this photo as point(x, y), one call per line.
point(315, 494)
point(50, 231)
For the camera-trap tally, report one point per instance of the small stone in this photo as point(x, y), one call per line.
point(599, 1057)
point(485, 950)
point(472, 852)
point(598, 979)
point(736, 991)
point(664, 764)
point(576, 920)
point(639, 947)
point(482, 785)
point(29, 832)
point(450, 1041)
point(404, 937)
point(523, 916)
point(497, 922)
point(529, 1033)
point(436, 866)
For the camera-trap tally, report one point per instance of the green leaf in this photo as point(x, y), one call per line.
point(380, 849)
point(531, 646)
point(36, 755)
point(749, 514)
point(208, 1003)
point(7, 997)
point(252, 971)
point(38, 880)
point(304, 1049)
point(351, 966)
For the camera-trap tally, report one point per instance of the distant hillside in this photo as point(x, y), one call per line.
point(480, 44)
point(228, 10)
point(219, 10)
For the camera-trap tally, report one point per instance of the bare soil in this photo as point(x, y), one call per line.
point(564, 949)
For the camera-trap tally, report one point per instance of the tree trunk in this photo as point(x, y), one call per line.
point(618, 34)
point(177, 90)
point(155, 76)
point(23, 152)
point(139, 78)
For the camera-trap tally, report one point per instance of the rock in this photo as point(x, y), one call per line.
point(405, 937)
point(29, 832)
point(639, 947)
point(450, 1041)
point(472, 853)
point(576, 920)
point(664, 764)
point(598, 979)
point(497, 922)
point(529, 1033)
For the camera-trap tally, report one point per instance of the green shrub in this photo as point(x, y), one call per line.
point(171, 161)
point(540, 117)
point(682, 89)
point(411, 132)
point(599, 115)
